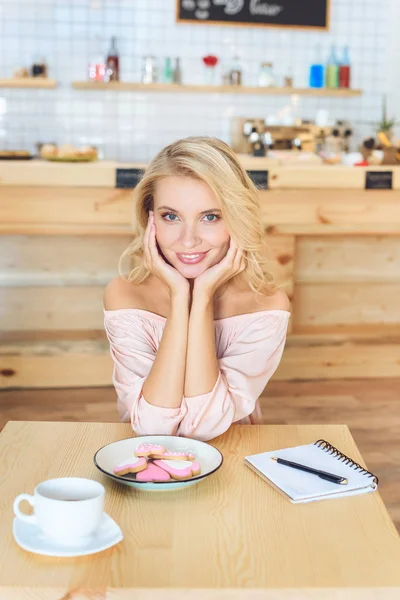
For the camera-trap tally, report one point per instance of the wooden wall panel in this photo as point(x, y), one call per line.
point(91, 210)
point(330, 212)
point(55, 205)
point(48, 308)
point(282, 254)
point(371, 259)
point(59, 260)
point(327, 304)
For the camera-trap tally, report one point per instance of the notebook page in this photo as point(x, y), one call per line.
point(300, 485)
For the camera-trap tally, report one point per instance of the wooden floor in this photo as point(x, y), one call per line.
point(371, 409)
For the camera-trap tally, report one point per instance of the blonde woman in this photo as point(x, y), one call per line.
point(198, 326)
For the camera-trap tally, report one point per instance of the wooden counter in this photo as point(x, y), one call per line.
point(282, 173)
point(335, 248)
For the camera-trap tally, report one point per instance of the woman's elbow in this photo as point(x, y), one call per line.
point(208, 425)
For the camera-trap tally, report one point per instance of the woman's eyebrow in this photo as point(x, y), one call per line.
point(177, 211)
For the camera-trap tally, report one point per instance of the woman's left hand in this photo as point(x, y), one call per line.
point(208, 282)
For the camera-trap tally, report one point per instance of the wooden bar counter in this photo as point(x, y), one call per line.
point(335, 247)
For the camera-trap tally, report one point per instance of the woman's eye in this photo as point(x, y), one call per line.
point(211, 218)
point(215, 218)
point(169, 215)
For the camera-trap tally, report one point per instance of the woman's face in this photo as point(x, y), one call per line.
point(190, 231)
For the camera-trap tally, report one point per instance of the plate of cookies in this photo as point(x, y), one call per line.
point(158, 462)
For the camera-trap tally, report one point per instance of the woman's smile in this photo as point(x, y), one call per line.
point(191, 258)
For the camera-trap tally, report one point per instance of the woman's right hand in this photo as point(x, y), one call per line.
point(176, 283)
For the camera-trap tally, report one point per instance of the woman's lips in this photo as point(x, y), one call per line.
point(191, 259)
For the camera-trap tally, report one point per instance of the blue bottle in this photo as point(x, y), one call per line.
point(317, 72)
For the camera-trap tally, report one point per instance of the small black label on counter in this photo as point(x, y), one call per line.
point(127, 178)
point(379, 180)
point(260, 179)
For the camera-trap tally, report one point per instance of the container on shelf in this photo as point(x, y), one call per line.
point(266, 76)
point(149, 71)
point(332, 70)
point(344, 69)
point(112, 62)
point(317, 71)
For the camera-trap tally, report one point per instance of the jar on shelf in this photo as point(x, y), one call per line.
point(235, 73)
point(266, 76)
point(149, 69)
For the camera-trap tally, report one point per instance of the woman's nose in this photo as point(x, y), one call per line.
point(189, 236)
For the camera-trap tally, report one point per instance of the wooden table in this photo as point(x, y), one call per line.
point(230, 536)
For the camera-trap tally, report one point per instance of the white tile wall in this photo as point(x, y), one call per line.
point(134, 126)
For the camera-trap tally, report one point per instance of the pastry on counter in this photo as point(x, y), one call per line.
point(47, 150)
point(68, 153)
point(15, 155)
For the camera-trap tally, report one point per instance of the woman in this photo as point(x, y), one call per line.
point(198, 327)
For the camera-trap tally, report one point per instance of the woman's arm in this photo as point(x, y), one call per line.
point(244, 370)
point(164, 385)
point(201, 358)
point(165, 382)
point(134, 343)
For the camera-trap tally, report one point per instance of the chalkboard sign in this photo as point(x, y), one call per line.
point(259, 178)
point(127, 178)
point(312, 14)
point(378, 180)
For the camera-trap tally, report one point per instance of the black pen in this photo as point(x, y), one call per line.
point(322, 474)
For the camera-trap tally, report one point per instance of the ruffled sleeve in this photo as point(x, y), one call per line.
point(133, 347)
point(245, 368)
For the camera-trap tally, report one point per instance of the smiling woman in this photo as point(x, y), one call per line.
point(197, 176)
point(188, 234)
point(197, 253)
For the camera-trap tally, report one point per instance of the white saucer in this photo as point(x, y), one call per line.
point(31, 538)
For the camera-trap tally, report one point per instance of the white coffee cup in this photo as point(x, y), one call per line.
point(68, 509)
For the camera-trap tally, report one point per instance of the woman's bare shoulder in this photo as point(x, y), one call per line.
point(121, 293)
point(277, 301)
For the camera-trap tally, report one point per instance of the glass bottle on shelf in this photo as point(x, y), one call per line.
point(168, 73)
point(112, 62)
point(177, 76)
point(344, 69)
point(317, 71)
point(332, 70)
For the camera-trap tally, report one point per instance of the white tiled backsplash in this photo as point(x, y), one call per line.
point(135, 125)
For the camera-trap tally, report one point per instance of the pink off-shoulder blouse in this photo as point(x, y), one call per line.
point(249, 348)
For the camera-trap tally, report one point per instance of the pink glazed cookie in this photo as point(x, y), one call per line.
point(153, 473)
point(149, 449)
point(179, 469)
point(131, 465)
point(167, 455)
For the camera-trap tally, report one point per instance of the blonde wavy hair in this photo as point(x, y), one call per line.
point(210, 160)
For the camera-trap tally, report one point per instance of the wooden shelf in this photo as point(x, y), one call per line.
point(28, 82)
point(216, 89)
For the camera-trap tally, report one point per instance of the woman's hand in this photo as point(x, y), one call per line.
point(176, 283)
point(208, 282)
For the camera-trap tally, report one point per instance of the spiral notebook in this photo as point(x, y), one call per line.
point(299, 486)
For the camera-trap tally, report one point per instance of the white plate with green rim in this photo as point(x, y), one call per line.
point(107, 457)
